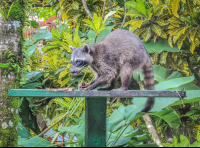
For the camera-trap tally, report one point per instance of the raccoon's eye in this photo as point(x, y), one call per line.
point(79, 62)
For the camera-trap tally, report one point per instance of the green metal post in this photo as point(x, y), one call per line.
point(95, 122)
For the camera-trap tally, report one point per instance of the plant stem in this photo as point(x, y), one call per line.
point(124, 14)
point(104, 5)
point(86, 9)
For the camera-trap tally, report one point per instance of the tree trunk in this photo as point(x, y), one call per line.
point(11, 39)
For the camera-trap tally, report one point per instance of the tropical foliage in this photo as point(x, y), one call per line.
point(169, 30)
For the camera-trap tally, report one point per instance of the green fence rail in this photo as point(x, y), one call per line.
point(95, 106)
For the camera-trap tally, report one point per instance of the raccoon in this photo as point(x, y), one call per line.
point(117, 55)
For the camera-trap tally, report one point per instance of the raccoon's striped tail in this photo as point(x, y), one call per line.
point(149, 85)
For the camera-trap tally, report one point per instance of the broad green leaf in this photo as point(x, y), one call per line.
point(31, 85)
point(122, 141)
point(31, 50)
point(22, 132)
point(174, 143)
point(21, 141)
point(166, 144)
point(131, 4)
point(192, 96)
point(27, 116)
point(55, 33)
point(147, 145)
point(170, 116)
point(156, 29)
point(159, 46)
point(4, 65)
point(116, 117)
point(160, 73)
point(103, 34)
point(198, 136)
point(35, 140)
point(186, 87)
point(184, 143)
point(140, 7)
point(141, 138)
point(195, 144)
point(41, 36)
point(169, 84)
point(174, 75)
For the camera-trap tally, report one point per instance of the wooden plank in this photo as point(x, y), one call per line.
point(94, 93)
point(95, 122)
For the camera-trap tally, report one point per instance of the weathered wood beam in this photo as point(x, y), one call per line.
point(95, 93)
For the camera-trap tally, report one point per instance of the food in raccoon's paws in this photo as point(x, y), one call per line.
point(83, 85)
point(59, 89)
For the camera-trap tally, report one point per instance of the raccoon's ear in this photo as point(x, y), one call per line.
point(87, 49)
point(71, 48)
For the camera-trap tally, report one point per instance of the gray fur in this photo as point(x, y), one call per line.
point(119, 53)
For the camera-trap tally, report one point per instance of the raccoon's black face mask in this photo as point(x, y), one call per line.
point(81, 58)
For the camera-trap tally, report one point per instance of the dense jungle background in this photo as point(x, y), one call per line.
point(170, 32)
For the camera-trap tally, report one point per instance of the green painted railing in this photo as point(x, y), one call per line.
point(95, 107)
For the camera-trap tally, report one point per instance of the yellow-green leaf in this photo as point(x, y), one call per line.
point(175, 6)
point(172, 27)
point(140, 31)
point(97, 22)
point(155, 2)
point(163, 34)
point(156, 29)
point(77, 39)
point(192, 47)
point(140, 7)
point(62, 74)
point(193, 32)
point(179, 33)
point(173, 31)
point(134, 13)
point(170, 41)
point(132, 29)
point(89, 24)
point(175, 20)
point(161, 23)
point(185, 19)
point(147, 34)
point(180, 41)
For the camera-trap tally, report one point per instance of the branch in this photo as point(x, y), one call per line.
point(124, 14)
point(104, 5)
point(86, 9)
point(149, 124)
point(192, 70)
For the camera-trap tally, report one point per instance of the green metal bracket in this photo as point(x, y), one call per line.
point(95, 107)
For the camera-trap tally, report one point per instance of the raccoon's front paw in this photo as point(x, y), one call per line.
point(83, 85)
